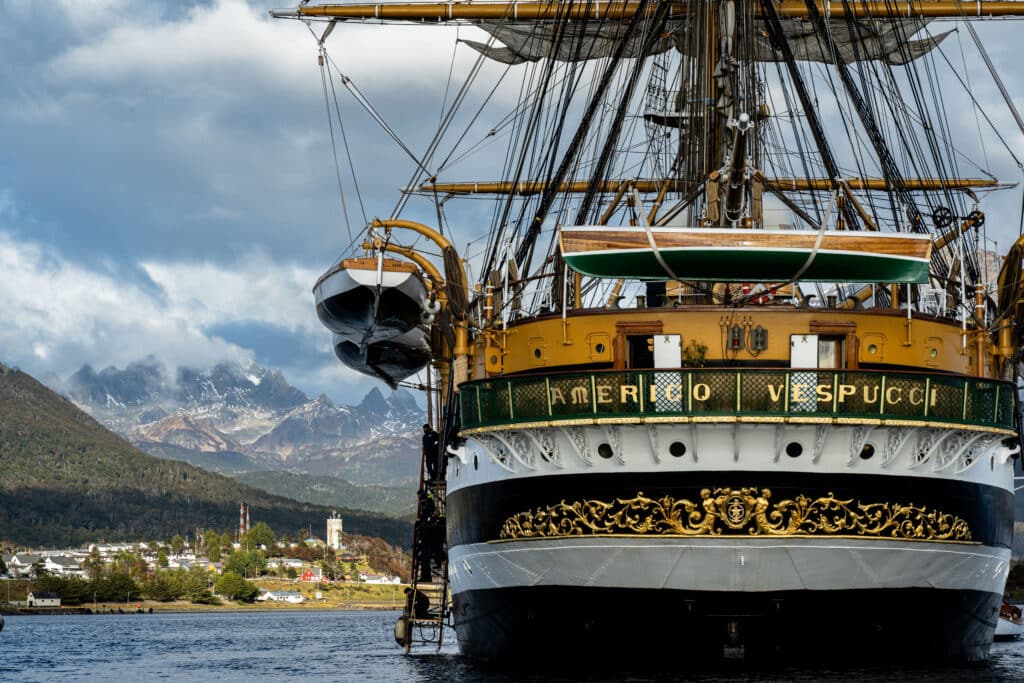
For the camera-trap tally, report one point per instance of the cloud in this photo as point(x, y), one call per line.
point(59, 314)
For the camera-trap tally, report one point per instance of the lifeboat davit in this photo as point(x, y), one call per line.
point(366, 300)
point(391, 360)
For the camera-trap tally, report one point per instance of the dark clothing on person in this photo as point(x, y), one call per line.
point(421, 605)
point(427, 507)
point(431, 444)
point(430, 543)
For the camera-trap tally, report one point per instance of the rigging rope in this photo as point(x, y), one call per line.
point(334, 146)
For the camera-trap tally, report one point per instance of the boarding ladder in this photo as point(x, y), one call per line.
point(427, 627)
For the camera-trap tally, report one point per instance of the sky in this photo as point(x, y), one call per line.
point(167, 186)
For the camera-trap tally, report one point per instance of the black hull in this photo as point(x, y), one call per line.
point(661, 629)
point(476, 513)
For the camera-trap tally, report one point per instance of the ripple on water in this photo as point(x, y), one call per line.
point(326, 646)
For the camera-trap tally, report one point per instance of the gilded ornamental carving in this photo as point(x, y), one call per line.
point(729, 511)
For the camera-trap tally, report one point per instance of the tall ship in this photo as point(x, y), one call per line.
point(731, 368)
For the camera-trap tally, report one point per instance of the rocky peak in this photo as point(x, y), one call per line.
point(140, 382)
point(374, 403)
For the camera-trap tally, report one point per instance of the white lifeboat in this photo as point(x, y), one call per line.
point(391, 360)
point(365, 300)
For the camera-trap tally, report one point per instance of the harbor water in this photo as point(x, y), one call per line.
point(334, 646)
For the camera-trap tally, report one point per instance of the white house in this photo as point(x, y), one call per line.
point(293, 562)
point(381, 579)
point(42, 599)
point(20, 564)
point(62, 565)
point(294, 597)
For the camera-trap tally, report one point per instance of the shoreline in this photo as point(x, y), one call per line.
point(153, 607)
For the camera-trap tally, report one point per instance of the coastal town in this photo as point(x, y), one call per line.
point(254, 567)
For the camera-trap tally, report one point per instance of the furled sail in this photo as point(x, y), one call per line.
point(887, 40)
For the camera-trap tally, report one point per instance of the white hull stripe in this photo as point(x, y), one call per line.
point(740, 565)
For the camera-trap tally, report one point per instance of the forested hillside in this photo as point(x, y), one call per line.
point(65, 479)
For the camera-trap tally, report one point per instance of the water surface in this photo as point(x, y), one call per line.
point(331, 646)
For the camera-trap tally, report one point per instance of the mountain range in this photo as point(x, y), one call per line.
point(231, 419)
point(66, 479)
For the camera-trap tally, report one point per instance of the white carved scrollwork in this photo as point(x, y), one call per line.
point(896, 437)
point(652, 436)
point(975, 453)
point(577, 438)
point(860, 437)
point(820, 433)
point(518, 446)
point(546, 445)
point(954, 448)
point(496, 452)
point(615, 439)
point(927, 441)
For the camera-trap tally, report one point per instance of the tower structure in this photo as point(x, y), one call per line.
point(334, 528)
point(243, 519)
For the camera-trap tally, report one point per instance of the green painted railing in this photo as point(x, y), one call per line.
point(749, 393)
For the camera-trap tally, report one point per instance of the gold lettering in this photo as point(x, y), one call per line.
point(846, 390)
point(935, 398)
point(870, 398)
point(557, 396)
point(890, 399)
point(628, 391)
point(654, 394)
point(701, 392)
point(920, 396)
point(604, 393)
point(674, 392)
point(775, 392)
point(579, 396)
point(798, 392)
point(824, 392)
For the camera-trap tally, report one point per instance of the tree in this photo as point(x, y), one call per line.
point(177, 544)
point(3, 566)
point(213, 552)
point(195, 585)
point(225, 543)
point(93, 565)
point(234, 587)
point(115, 587)
point(37, 570)
point(259, 535)
point(161, 558)
point(246, 563)
point(211, 544)
point(291, 573)
point(72, 590)
point(162, 586)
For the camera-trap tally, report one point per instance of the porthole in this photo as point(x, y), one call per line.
point(605, 451)
point(677, 449)
point(872, 349)
point(867, 452)
point(934, 353)
point(599, 348)
point(494, 360)
point(794, 449)
point(536, 353)
point(476, 463)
